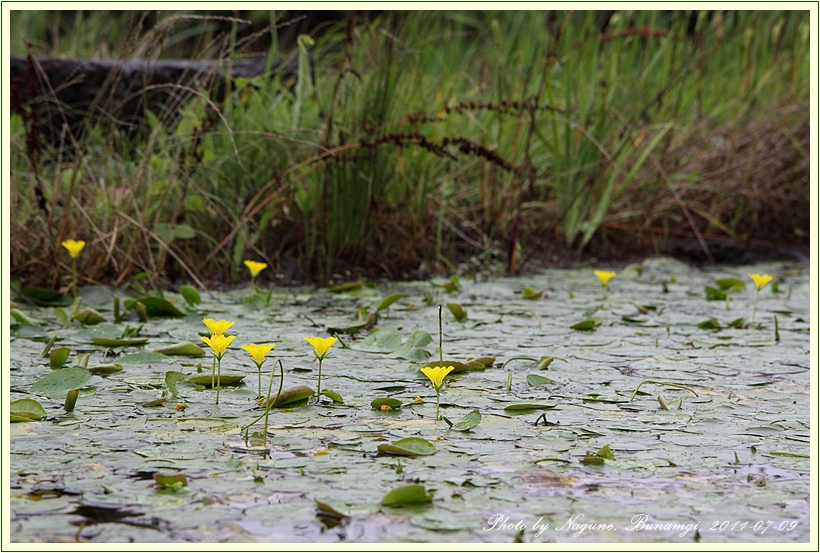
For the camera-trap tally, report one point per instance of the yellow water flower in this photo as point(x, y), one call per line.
point(74, 247)
point(219, 327)
point(219, 344)
point(255, 267)
point(320, 345)
point(437, 375)
point(760, 280)
point(604, 276)
point(259, 352)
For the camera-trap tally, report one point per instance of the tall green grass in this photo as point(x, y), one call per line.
point(426, 137)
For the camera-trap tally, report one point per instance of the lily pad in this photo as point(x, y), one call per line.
point(408, 447)
point(155, 307)
point(731, 284)
point(106, 368)
point(389, 401)
point(529, 406)
point(188, 349)
point(292, 395)
point(407, 495)
point(715, 294)
point(335, 396)
point(57, 357)
point(145, 357)
point(224, 379)
point(587, 324)
point(458, 312)
point(57, 384)
point(119, 342)
point(538, 380)
point(469, 421)
point(24, 410)
point(190, 294)
point(529, 293)
point(88, 316)
point(388, 301)
point(45, 297)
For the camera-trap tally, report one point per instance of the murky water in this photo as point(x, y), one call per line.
point(729, 464)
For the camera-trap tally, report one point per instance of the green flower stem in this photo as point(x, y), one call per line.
point(259, 378)
point(270, 403)
point(74, 276)
point(440, 341)
point(319, 383)
point(218, 377)
point(213, 372)
point(438, 403)
point(754, 310)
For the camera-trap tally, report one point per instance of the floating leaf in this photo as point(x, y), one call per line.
point(224, 380)
point(24, 410)
point(407, 495)
point(586, 324)
point(709, 324)
point(57, 357)
point(715, 294)
point(144, 357)
point(529, 406)
point(479, 363)
point(388, 301)
point(347, 286)
point(738, 323)
point(119, 342)
point(605, 453)
point(45, 297)
point(173, 481)
point(386, 340)
point(731, 284)
point(106, 368)
point(590, 459)
point(354, 326)
point(458, 312)
point(190, 294)
point(469, 421)
point(290, 396)
point(155, 307)
point(57, 384)
point(412, 348)
point(531, 293)
point(408, 447)
point(71, 399)
point(335, 396)
point(88, 316)
point(21, 317)
point(172, 378)
point(538, 380)
point(182, 348)
point(458, 367)
point(389, 401)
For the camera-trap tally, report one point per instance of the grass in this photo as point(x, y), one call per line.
point(428, 139)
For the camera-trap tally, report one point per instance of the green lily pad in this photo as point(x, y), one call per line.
point(188, 349)
point(144, 357)
point(386, 340)
point(586, 324)
point(155, 307)
point(709, 324)
point(191, 295)
point(24, 410)
point(408, 447)
point(106, 368)
point(529, 406)
point(715, 294)
point(469, 421)
point(538, 380)
point(731, 284)
point(57, 357)
point(458, 312)
point(335, 396)
point(347, 286)
point(388, 301)
point(21, 317)
point(389, 401)
point(529, 293)
point(45, 297)
point(88, 316)
point(119, 342)
point(458, 367)
point(292, 395)
point(57, 384)
point(224, 379)
point(407, 495)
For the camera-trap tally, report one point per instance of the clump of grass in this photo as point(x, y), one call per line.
point(424, 139)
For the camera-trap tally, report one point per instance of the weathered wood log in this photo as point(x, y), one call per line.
point(58, 93)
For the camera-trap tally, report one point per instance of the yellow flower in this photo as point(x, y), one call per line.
point(321, 345)
point(255, 267)
point(437, 375)
point(604, 276)
point(219, 343)
point(385, 408)
point(74, 247)
point(258, 352)
point(219, 327)
point(760, 280)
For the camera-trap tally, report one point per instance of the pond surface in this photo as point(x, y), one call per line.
point(730, 464)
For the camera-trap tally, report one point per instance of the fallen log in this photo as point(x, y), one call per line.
point(56, 93)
